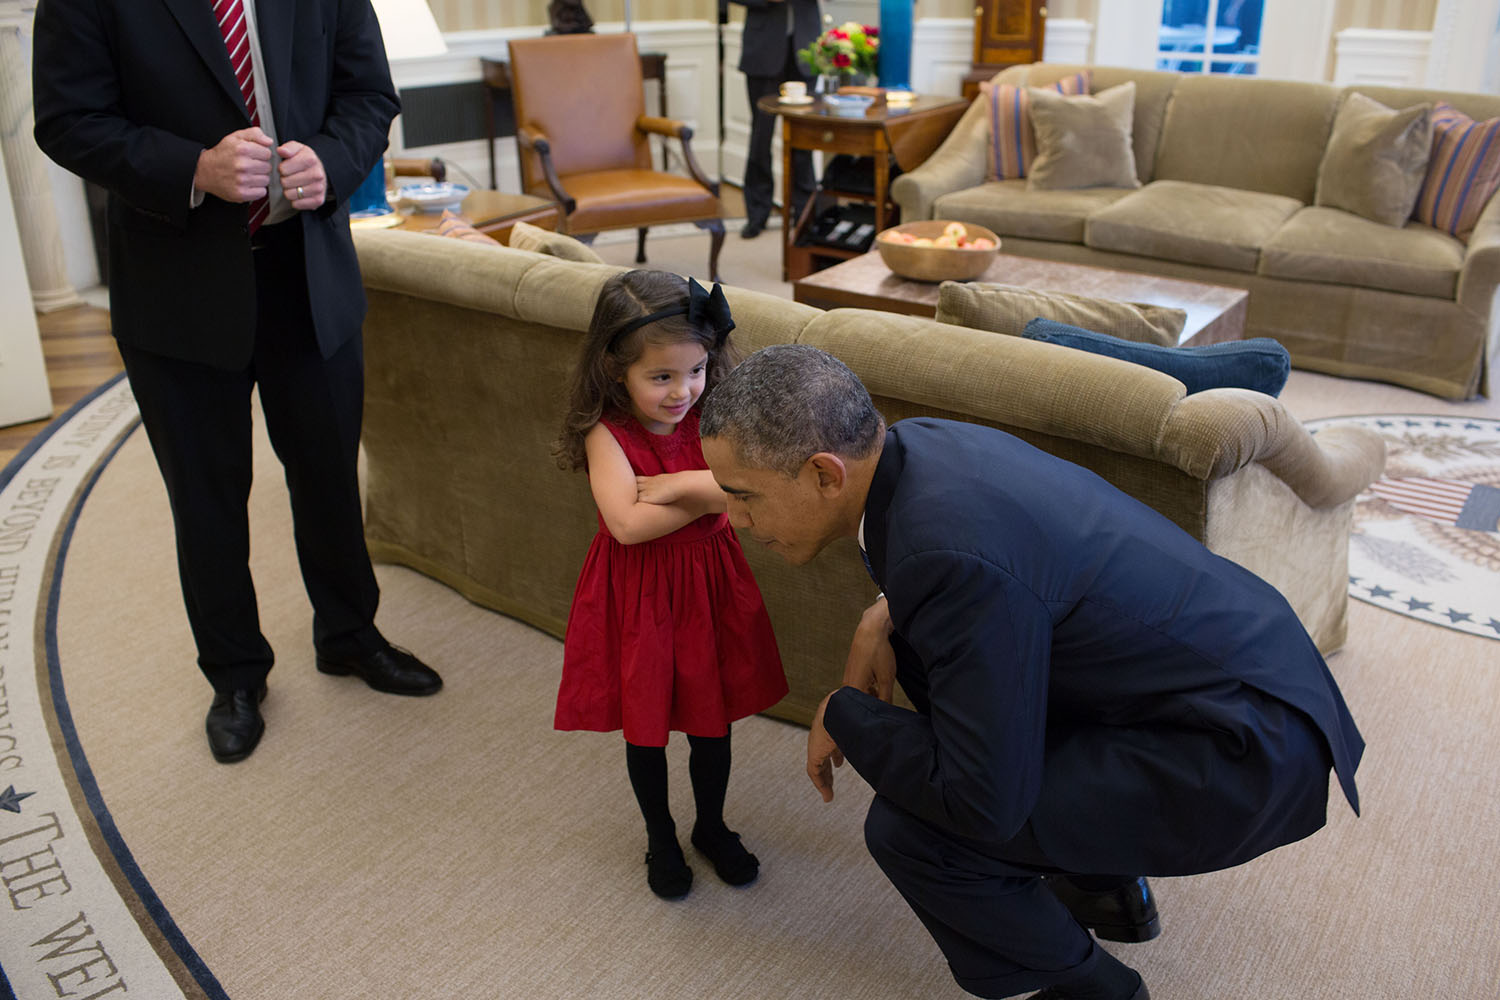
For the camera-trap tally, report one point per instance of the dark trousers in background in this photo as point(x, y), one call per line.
point(1001, 930)
point(760, 183)
point(198, 419)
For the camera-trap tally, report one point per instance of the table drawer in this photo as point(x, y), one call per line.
point(834, 137)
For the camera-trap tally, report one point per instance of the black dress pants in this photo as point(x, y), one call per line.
point(1001, 930)
point(198, 419)
point(760, 182)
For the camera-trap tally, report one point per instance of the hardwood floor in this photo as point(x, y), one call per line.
point(80, 354)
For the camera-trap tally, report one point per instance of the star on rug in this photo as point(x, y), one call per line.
point(1426, 538)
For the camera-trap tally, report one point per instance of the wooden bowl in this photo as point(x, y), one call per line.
point(930, 263)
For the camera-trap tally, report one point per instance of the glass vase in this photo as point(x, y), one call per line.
point(828, 83)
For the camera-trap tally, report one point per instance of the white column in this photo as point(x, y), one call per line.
point(30, 191)
point(1463, 40)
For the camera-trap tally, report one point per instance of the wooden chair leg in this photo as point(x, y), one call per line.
point(640, 245)
point(715, 228)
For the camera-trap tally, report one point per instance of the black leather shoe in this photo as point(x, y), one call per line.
point(1125, 914)
point(234, 724)
point(1053, 993)
point(667, 872)
point(752, 229)
point(389, 669)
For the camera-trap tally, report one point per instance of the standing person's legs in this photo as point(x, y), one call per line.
point(667, 872)
point(708, 767)
point(198, 421)
point(759, 186)
point(804, 179)
point(1002, 932)
point(313, 410)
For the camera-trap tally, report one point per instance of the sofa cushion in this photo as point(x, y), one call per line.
point(1193, 223)
point(1247, 133)
point(1375, 160)
point(1260, 363)
point(1329, 245)
point(455, 225)
point(1010, 209)
point(1012, 145)
point(1463, 173)
point(525, 236)
point(1008, 308)
point(1083, 141)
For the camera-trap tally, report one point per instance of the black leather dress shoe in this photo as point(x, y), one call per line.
point(234, 724)
point(752, 229)
point(389, 669)
point(1125, 914)
point(1053, 993)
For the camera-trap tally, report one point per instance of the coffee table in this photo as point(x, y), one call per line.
point(493, 213)
point(1214, 313)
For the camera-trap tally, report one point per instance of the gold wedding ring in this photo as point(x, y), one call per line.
point(299, 192)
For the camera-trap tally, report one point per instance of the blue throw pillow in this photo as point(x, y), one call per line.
point(1259, 363)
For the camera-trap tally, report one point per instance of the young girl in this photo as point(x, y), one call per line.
point(667, 630)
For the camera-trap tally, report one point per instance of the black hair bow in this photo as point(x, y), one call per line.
point(710, 308)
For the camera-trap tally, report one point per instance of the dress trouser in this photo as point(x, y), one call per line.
point(198, 419)
point(1001, 930)
point(760, 183)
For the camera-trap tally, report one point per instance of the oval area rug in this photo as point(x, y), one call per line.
point(1426, 537)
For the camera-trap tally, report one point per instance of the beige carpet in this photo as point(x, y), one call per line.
point(377, 847)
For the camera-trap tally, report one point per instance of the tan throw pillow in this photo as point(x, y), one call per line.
point(1083, 141)
point(1375, 160)
point(525, 236)
point(1008, 308)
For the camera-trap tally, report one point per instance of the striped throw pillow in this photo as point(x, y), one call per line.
point(1463, 172)
point(457, 226)
point(1012, 143)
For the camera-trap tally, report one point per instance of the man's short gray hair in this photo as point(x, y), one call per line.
point(784, 404)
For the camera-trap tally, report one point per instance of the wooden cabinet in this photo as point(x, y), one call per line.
point(907, 136)
point(1006, 33)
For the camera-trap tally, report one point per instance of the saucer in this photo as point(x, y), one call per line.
point(804, 99)
point(434, 197)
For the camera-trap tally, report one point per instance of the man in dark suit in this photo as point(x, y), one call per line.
point(774, 31)
point(1098, 697)
point(229, 135)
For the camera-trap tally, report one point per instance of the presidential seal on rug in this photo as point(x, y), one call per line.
point(1426, 539)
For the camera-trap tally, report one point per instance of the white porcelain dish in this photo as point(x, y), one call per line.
point(848, 105)
point(434, 197)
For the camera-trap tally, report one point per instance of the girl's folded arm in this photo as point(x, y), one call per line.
point(612, 481)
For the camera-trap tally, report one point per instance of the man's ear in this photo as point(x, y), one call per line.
point(829, 471)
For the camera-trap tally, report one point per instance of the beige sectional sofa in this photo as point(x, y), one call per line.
point(468, 349)
point(1229, 168)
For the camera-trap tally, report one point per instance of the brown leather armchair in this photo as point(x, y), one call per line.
point(583, 137)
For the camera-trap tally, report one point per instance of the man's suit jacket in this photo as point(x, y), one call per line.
point(1079, 662)
point(129, 92)
point(763, 43)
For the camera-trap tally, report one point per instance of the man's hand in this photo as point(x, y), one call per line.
point(662, 489)
point(238, 168)
point(871, 666)
point(302, 178)
point(823, 755)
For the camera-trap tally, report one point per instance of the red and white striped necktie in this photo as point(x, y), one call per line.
point(232, 25)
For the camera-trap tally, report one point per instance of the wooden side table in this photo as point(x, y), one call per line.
point(495, 74)
point(907, 135)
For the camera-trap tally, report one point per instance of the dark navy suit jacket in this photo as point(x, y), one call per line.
point(129, 92)
point(1081, 664)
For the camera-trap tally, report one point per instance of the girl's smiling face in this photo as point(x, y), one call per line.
point(665, 382)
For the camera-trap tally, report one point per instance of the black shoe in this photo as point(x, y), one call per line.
point(1053, 993)
point(752, 229)
point(732, 863)
point(234, 724)
point(667, 872)
point(1125, 914)
point(389, 669)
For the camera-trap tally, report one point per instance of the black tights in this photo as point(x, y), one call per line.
point(708, 769)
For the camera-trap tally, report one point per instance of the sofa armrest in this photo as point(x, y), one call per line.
point(1480, 274)
point(1213, 433)
point(957, 164)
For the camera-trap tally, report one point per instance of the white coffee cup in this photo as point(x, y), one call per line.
point(794, 89)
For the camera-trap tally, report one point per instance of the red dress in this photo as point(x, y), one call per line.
point(669, 634)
